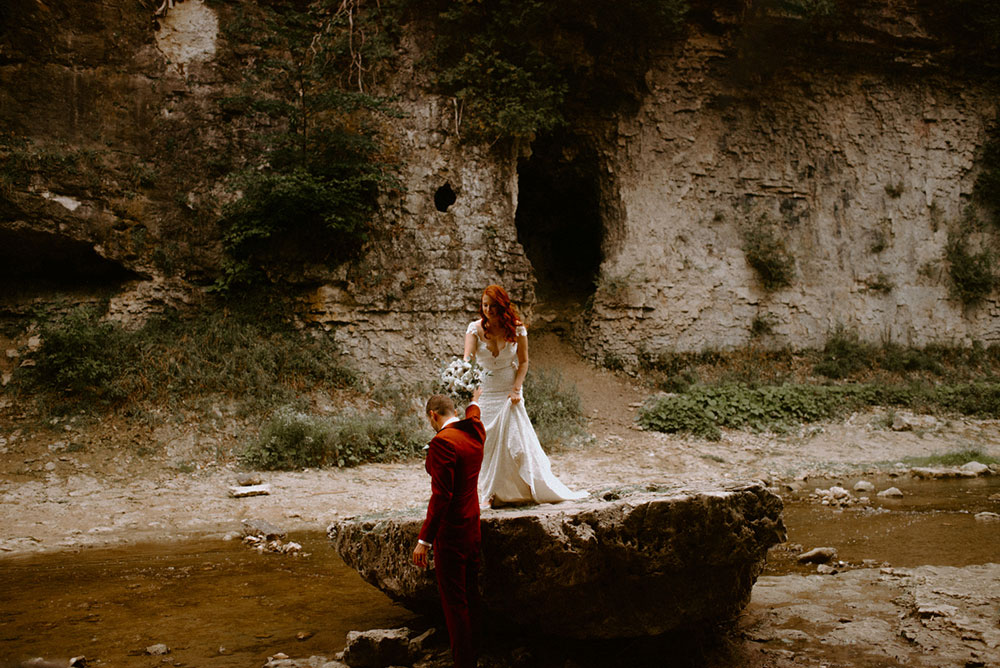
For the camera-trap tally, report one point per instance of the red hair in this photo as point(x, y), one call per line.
point(509, 320)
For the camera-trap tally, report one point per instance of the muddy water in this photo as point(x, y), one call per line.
point(933, 524)
point(219, 604)
point(213, 603)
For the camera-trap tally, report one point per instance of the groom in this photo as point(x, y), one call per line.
point(452, 524)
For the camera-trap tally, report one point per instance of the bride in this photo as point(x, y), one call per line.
point(515, 468)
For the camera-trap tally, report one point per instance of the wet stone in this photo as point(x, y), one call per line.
point(818, 555)
point(975, 468)
point(377, 648)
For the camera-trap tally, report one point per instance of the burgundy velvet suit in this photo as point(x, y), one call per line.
point(452, 526)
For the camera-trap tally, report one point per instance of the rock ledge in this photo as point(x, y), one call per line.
point(623, 565)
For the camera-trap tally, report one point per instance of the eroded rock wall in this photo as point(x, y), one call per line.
point(861, 170)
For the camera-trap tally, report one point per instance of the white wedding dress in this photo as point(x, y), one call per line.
point(515, 468)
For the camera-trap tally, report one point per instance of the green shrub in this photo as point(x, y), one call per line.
point(973, 276)
point(669, 370)
point(512, 64)
point(284, 219)
point(880, 283)
point(894, 357)
point(844, 355)
point(82, 356)
point(360, 438)
point(554, 407)
point(310, 194)
point(762, 325)
point(241, 352)
point(293, 440)
point(767, 254)
point(702, 410)
point(290, 440)
point(894, 190)
point(957, 458)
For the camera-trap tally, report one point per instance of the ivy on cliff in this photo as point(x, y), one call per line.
point(312, 121)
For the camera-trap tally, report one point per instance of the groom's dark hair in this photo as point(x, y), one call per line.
point(441, 404)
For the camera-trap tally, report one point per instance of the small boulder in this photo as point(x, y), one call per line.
point(247, 479)
point(826, 569)
point(891, 493)
point(838, 492)
point(975, 468)
point(908, 422)
point(377, 648)
point(864, 486)
point(818, 555)
point(157, 649)
point(987, 517)
point(419, 644)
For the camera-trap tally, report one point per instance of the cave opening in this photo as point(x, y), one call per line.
point(558, 218)
point(444, 197)
point(30, 257)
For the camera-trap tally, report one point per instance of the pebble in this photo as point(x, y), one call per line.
point(863, 486)
point(988, 517)
point(892, 492)
point(157, 649)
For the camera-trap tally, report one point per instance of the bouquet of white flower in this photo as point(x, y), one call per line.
point(461, 377)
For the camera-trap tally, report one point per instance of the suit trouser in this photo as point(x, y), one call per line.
point(458, 584)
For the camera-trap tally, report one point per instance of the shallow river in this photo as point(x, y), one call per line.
point(220, 604)
point(213, 603)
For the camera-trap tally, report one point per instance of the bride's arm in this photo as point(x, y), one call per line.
point(522, 367)
point(470, 345)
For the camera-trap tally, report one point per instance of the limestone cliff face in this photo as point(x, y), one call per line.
point(860, 171)
point(113, 181)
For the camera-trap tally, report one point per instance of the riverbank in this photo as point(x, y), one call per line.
point(78, 485)
point(173, 481)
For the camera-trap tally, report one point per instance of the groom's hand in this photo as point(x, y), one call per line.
point(476, 393)
point(420, 555)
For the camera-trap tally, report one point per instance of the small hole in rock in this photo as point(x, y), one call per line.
point(444, 197)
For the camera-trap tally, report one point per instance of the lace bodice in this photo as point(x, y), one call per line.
point(505, 358)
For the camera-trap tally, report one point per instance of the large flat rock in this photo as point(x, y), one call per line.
point(623, 565)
